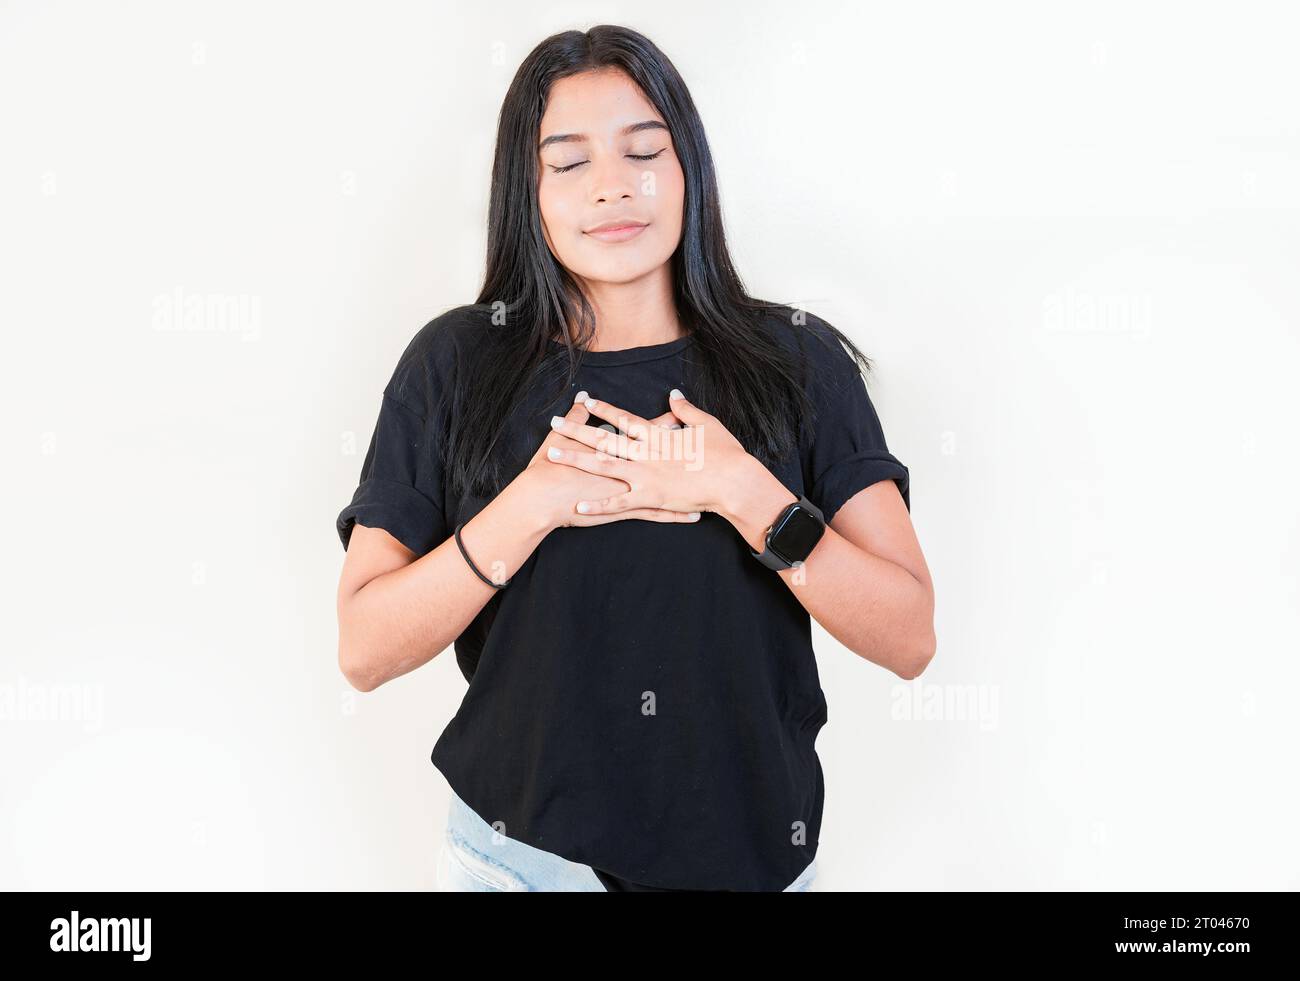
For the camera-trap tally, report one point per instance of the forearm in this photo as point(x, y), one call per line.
point(402, 619)
point(874, 607)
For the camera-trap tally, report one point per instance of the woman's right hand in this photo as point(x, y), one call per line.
point(556, 488)
point(397, 610)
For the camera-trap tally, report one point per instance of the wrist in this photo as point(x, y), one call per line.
point(528, 510)
point(754, 500)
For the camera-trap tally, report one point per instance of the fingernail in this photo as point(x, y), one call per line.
point(676, 393)
point(590, 403)
point(557, 422)
point(580, 396)
point(554, 452)
point(695, 516)
point(584, 507)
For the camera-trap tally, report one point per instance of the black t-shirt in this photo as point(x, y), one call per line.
point(643, 697)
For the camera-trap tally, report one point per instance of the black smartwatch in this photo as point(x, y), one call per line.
point(792, 536)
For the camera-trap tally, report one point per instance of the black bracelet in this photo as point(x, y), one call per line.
point(494, 585)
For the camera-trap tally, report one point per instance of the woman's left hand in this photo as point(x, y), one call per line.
point(693, 468)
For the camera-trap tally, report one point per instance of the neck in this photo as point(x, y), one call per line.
point(634, 314)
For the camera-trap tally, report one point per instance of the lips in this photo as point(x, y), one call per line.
point(617, 230)
point(615, 223)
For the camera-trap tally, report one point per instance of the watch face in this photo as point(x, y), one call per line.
point(796, 536)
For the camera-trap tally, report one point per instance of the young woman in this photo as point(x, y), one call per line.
point(622, 487)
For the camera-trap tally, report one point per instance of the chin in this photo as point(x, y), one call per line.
point(625, 269)
point(623, 273)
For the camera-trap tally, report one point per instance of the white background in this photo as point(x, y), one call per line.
point(1068, 237)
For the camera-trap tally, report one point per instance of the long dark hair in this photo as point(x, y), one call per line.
point(740, 373)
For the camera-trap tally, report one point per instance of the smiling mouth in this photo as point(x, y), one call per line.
point(619, 233)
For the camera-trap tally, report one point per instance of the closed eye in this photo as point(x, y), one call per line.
point(634, 156)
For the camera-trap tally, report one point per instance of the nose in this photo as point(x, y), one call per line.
point(612, 180)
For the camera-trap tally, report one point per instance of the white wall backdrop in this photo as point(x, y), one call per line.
point(1069, 237)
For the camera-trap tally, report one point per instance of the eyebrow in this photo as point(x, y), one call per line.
point(582, 137)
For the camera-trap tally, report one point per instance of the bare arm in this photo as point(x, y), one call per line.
point(396, 612)
point(866, 582)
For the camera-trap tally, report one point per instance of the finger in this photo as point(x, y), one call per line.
point(667, 420)
point(645, 514)
point(557, 440)
point(593, 462)
point(685, 410)
point(628, 500)
point(632, 424)
point(615, 444)
point(577, 413)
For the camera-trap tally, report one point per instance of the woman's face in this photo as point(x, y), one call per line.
point(606, 156)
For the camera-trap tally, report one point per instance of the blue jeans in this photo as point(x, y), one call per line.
point(475, 858)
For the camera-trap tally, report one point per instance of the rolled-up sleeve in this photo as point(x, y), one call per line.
point(848, 451)
point(400, 488)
